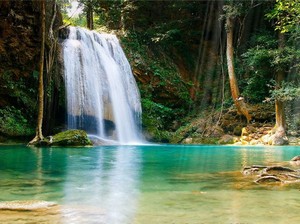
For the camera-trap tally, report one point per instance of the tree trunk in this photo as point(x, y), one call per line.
point(235, 93)
point(39, 133)
point(279, 105)
point(279, 137)
point(90, 17)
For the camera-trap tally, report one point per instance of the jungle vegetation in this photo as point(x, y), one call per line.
point(197, 60)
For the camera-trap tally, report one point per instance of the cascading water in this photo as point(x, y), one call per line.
point(102, 95)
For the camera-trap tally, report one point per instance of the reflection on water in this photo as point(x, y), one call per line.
point(105, 183)
point(146, 184)
point(98, 185)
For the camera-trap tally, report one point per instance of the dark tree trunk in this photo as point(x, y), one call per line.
point(39, 133)
point(90, 17)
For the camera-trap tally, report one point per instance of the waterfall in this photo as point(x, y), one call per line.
point(101, 92)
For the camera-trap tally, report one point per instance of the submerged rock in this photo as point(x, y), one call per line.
point(25, 205)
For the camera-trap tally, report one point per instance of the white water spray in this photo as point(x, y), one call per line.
point(102, 95)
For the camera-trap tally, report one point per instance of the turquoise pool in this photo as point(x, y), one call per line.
point(146, 184)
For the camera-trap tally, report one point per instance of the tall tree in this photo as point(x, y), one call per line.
point(286, 17)
point(39, 134)
point(280, 126)
point(89, 14)
point(89, 8)
point(232, 11)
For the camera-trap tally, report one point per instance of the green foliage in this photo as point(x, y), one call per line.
point(256, 89)
point(156, 114)
point(257, 61)
point(165, 95)
point(75, 21)
point(237, 8)
point(263, 60)
point(287, 92)
point(20, 89)
point(287, 59)
point(158, 68)
point(286, 14)
point(13, 123)
point(232, 9)
point(19, 105)
point(157, 118)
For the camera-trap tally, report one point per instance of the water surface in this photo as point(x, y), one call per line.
point(146, 184)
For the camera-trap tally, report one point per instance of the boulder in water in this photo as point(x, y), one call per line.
point(67, 138)
point(71, 138)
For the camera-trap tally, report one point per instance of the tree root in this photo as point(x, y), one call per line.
point(268, 179)
point(273, 174)
point(278, 168)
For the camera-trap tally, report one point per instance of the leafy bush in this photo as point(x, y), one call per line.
point(156, 115)
point(256, 89)
point(258, 63)
point(21, 89)
point(13, 123)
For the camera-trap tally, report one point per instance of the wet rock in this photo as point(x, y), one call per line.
point(188, 141)
point(279, 137)
point(255, 142)
point(100, 141)
point(227, 139)
point(67, 138)
point(244, 132)
point(278, 140)
point(245, 138)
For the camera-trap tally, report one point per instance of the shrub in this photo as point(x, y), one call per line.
point(13, 123)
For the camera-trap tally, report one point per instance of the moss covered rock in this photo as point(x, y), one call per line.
point(68, 138)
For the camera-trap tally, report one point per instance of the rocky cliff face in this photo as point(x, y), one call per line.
point(19, 57)
point(19, 33)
